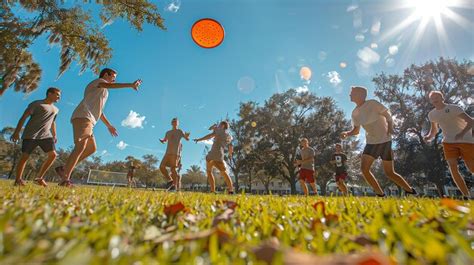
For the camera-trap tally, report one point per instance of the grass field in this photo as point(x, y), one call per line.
point(103, 225)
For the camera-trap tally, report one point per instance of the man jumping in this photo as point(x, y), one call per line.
point(85, 117)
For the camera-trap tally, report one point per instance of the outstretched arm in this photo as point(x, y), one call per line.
point(111, 128)
point(16, 134)
point(207, 137)
point(133, 85)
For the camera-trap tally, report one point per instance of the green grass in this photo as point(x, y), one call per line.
point(103, 225)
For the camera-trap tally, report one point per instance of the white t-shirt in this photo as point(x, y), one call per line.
point(451, 124)
point(92, 105)
point(369, 116)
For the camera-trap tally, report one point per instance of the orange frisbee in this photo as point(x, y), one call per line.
point(207, 33)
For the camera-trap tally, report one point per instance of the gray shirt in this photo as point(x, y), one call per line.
point(174, 138)
point(307, 153)
point(42, 117)
point(221, 139)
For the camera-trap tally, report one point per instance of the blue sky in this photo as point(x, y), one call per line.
point(266, 44)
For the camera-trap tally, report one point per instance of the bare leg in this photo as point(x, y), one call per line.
point(458, 179)
point(82, 150)
point(46, 165)
point(342, 186)
point(210, 177)
point(313, 186)
point(20, 168)
point(165, 172)
point(227, 180)
point(366, 163)
point(394, 176)
point(304, 187)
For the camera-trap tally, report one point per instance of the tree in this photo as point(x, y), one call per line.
point(287, 117)
point(407, 97)
point(194, 175)
point(71, 28)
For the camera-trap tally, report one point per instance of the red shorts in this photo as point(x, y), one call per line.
point(341, 176)
point(307, 175)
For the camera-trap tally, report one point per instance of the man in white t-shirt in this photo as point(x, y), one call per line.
point(377, 122)
point(458, 140)
point(86, 115)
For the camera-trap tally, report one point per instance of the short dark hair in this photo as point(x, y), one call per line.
point(107, 71)
point(52, 90)
point(226, 124)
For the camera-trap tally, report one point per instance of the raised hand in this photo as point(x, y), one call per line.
point(113, 131)
point(136, 84)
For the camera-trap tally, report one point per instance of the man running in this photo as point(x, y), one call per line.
point(215, 157)
point(458, 140)
point(172, 158)
point(377, 122)
point(131, 175)
point(85, 117)
point(39, 131)
point(306, 164)
point(339, 161)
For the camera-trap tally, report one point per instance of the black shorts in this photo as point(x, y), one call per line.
point(28, 145)
point(383, 150)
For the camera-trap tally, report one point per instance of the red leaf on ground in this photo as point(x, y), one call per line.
point(173, 209)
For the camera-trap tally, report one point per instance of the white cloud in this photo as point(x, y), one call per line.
point(122, 145)
point(374, 45)
point(133, 120)
point(368, 56)
point(322, 55)
point(153, 126)
point(375, 29)
point(352, 8)
point(103, 152)
point(360, 37)
point(173, 6)
point(334, 78)
point(393, 49)
point(301, 89)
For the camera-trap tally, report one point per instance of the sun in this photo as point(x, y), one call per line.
point(427, 9)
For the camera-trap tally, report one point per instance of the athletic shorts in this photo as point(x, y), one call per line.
point(220, 165)
point(169, 161)
point(307, 175)
point(383, 150)
point(82, 128)
point(456, 150)
point(28, 145)
point(341, 176)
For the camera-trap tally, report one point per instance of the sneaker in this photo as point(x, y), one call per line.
point(60, 171)
point(381, 195)
point(66, 183)
point(19, 183)
point(41, 182)
point(170, 186)
point(231, 193)
point(413, 192)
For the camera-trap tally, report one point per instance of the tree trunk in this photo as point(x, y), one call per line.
point(13, 167)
